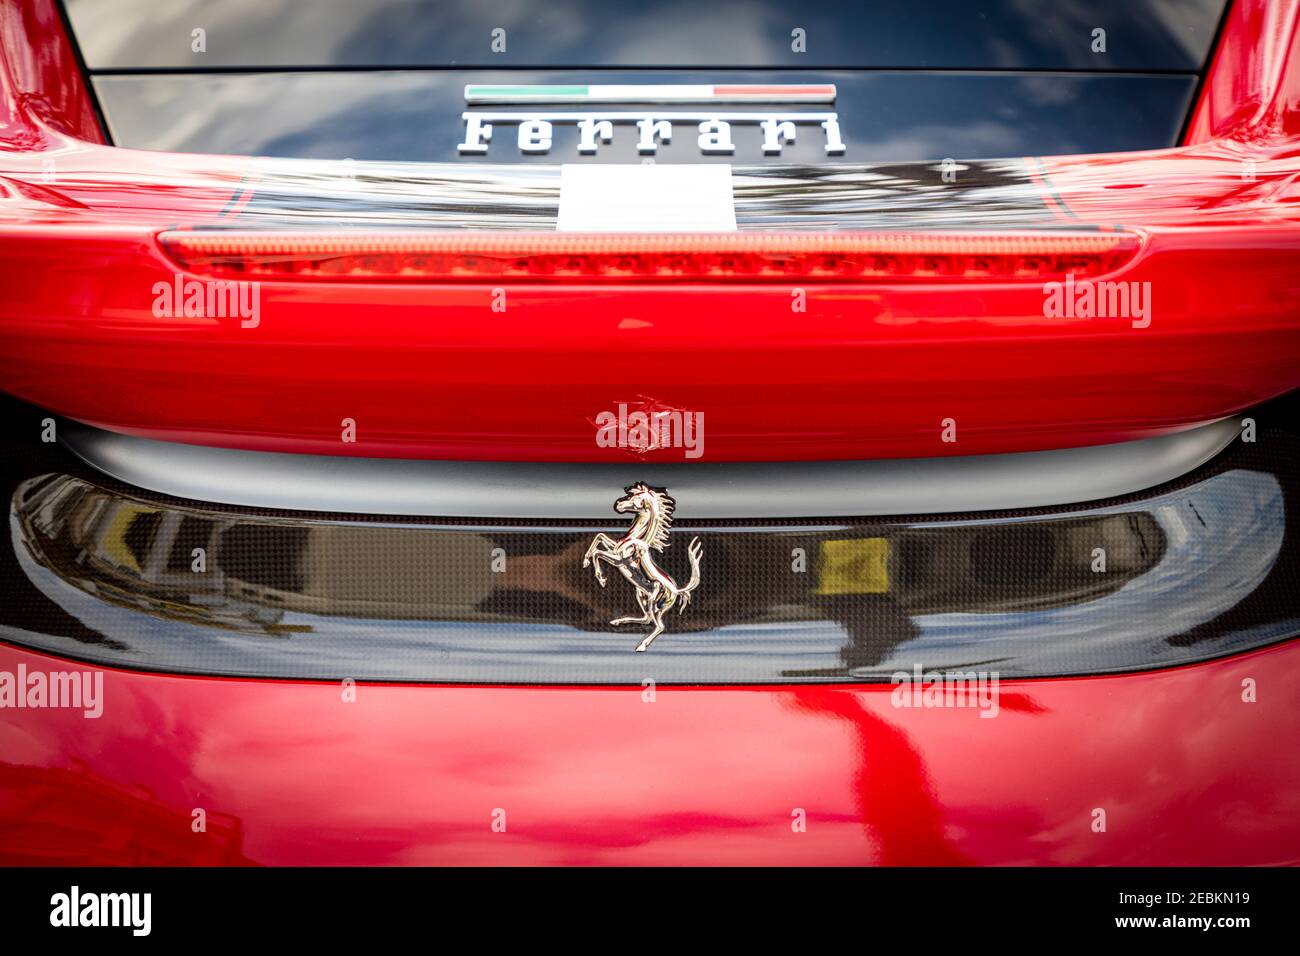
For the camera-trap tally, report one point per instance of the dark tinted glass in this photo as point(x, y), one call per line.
point(937, 34)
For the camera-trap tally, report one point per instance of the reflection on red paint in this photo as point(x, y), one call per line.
point(1187, 772)
point(73, 816)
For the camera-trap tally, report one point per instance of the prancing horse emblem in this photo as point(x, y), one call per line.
point(632, 554)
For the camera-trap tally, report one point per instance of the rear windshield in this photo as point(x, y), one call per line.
point(1136, 35)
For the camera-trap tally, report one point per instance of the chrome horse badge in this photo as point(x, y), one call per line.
point(633, 555)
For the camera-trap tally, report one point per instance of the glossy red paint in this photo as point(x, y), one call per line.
point(289, 774)
point(868, 370)
point(862, 374)
point(1252, 89)
point(41, 87)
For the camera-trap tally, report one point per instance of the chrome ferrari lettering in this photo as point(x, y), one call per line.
point(776, 133)
point(633, 556)
point(714, 133)
point(834, 144)
point(535, 136)
point(715, 137)
point(651, 132)
point(477, 134)
point(593, 132)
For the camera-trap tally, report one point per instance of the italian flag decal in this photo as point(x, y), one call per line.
point(655, 93)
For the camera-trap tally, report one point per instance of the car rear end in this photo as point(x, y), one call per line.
point(660, 433)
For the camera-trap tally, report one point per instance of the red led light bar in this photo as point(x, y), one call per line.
point(741, 257)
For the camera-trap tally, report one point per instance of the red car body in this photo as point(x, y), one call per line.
point(875, 365)
point(703, 775)
point(713, 776)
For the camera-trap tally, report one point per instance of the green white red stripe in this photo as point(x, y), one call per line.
point(654, 93)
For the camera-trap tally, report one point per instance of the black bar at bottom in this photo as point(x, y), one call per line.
point(331, 905)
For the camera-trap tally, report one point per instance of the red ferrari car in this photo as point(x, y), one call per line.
point(650, 433)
